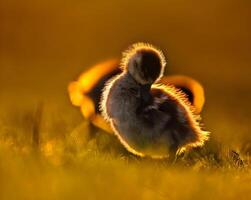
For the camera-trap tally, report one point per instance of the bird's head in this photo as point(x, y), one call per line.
point(144, 62)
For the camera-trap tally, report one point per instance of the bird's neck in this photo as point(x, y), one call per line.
point(143, 89)
point(145, 93)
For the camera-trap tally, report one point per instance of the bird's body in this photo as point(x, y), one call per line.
point(86, 91)
point(149, 119)
point(154, 125)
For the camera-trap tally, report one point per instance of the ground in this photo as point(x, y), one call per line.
point(49, 153)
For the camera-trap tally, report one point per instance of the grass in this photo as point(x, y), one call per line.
point(50, 156)
point(49, 152)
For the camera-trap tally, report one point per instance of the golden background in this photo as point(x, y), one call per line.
point(45, 44)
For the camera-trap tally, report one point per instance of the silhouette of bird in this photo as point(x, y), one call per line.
point(149, 119)
point(86, 91)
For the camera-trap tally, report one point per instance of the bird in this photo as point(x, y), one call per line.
point(150, 119)
point(85, 92)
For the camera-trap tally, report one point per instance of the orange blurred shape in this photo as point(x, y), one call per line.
point(78, 91)
point(194, 86)
point(89, 79)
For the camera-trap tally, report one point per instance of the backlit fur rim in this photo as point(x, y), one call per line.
point(104, 96)
point(133, 49)
point(107, 118)
point(194, 119)
point(88, 79)
point(202, 135)
point(191, 84)
point(109, 84)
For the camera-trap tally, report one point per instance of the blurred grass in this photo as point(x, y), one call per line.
point(71, 161)
point(49, 152)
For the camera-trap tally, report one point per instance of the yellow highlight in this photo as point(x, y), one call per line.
point(133, 49)
point(100, 122)
point(47, 149)
point(194, 86)
point(87, 80)
point(79, 99)
point(176, 94)
point(202, 135)
point(76, 96)
point(87, 107)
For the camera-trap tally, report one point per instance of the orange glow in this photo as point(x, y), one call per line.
point(47, 148)
point(100, 122)
point(87, 107)
point(132, 50)
point(87, 80)
point(52, 150)
point(79, 99)
point(181, 99)
point(194, 86)
point(194, 122)
point(75, 93)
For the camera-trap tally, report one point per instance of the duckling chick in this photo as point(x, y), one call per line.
point(149, 119)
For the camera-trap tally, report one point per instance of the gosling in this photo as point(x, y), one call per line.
point(149, 119)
